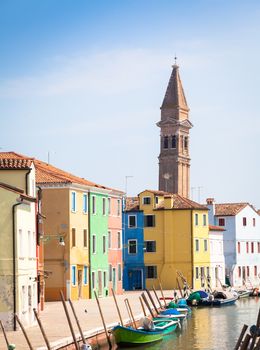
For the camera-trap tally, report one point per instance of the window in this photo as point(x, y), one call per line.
point(73, 275)
point(258, 247)
point(221, 222)
point(105, 278)
point(93, 280)
point(186, 142)
point(253, 221)
point(109, 205)
point(208, 274)
point(118, 240)
point(29, 242)
point(118, 207)
point(204, 220)
point(238, 247)
point(104, 206)
point(34, 245)
point(248, 271)
point(73, 201)
point(247, 247)
point(85, 238)
point(165, 142)
point(146, 200)
point(156, 199)
point(202, 272)
point(21, 250)
point(239, 271)
point(110, 272)
point(205, 245)
point(252, 247)
point(149, 220)
point(196, 273)
point(132, 246)
point(104, 245)
point(197, 245)
point(85, 275)
point(73, 238)
point(174, 143)
point(244, 221)
point(255, 271)
point(85, 203)
point(93, 205)
point(151, 271)
point(109, 240)
point(94, 244)
point(132, 221)
point(150, 246)
point(119, 272)
point(196, 219)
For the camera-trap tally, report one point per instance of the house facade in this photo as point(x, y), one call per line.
point(175, 239)
point(115, 243)
point(241, 240)
point(18, 236)
point(133, 246)
point(217, 259)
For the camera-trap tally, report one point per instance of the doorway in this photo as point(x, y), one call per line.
point(114, 278)
point(100, 287)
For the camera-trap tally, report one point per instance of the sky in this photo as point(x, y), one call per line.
point(82, 82)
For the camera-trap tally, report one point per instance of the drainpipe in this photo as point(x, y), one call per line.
point(14, 260)
point(26, 180)
point(192, 252)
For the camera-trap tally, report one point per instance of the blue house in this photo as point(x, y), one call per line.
point(133, 246)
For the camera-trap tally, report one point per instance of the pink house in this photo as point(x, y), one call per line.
point(115, 242)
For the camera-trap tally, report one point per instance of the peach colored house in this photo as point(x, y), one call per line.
point(115, 265)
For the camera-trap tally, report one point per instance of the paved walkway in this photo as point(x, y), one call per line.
point(57, 329)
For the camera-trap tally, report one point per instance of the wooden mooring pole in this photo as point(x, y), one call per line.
point(77, 321)
point(103, 321)
point(24, 332)
point(42, 330)
point(118, 311)
point(69, 320)
point(3, 330)
point(241, 337)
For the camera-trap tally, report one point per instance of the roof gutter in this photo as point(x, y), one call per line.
point(14, 260)
point(26, 180)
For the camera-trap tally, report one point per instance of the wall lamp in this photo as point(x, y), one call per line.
point(48, 238)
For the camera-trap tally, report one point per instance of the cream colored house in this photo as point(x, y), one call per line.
point(18, 258)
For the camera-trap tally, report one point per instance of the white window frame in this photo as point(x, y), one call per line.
point(135, 216)
point(85, 268)
point(196, 219)
point(104, 206)
point(93, 279)
point(119, 234)
point(94, 205)
point(85, 203)
point(110, 272)
point(94, 244)
point(147, 197)
point(109, 205)
point(119, 272)
point(109, 239)
point(205, 245)
point(105, 279)
point(128, 245)
point(197, 240)
point(104, 244)
point(73, 268)
point(118, 207)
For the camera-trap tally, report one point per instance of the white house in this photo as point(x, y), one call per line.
point(241, 240)
point(217, 259)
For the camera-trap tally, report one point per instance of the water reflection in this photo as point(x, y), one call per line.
point(211, 328)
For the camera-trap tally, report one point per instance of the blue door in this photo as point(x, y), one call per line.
point(135, 279)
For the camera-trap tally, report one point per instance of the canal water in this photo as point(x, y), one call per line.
point(210, 328)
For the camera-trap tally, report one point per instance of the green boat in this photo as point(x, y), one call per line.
point(126, 336)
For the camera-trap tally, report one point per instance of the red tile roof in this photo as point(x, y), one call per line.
point(11, 160)
point(180, 202)
point(132, 204)
point(47, 173)
point(229, 209)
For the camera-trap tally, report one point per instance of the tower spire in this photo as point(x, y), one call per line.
point(174, 160)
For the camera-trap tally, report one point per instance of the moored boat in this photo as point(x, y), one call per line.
point(146, 334)
point(217, 298)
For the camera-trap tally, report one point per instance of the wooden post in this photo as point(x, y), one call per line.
point(241, 337)
point(24, 332)
point(147, 304)
point(3, 330)
point(142, 304)
point(152, 301)
point(69, 320)
point(118, 311)
point(77, 321)
point(178, 283)
point(156, 296)
point(245, 342)
point(131, 313)
point(42, 330)
point(162, 293)
point(258, 345)
point(252, 344)
point(103, 321)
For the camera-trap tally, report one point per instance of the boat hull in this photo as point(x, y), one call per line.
point(125, 336)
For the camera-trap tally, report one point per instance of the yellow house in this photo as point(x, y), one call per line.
point(175, 238)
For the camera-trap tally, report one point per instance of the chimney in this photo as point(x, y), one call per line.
point(211, 207)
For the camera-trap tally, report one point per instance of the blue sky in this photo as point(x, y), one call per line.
point(84, 81)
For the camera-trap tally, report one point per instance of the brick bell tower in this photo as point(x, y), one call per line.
point(174, 159)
